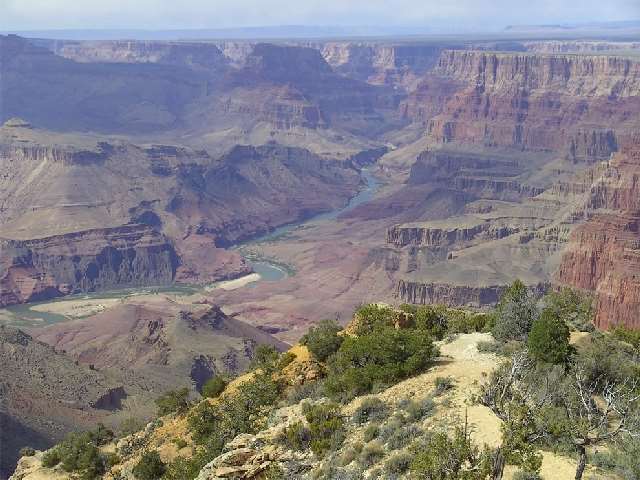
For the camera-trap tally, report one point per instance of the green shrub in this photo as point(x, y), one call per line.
point(433, 319)
point(603, 358)
point(398, 463)
point(240, 412)
point(180, 443)
point(308, 391)
point(573, 307)
point(348, 456)
point(174, 401)
point(51, 458)
point(419, 409)
point(297, 436)
point(391, 428)
point(273, 472)
point(102, 435)
point(490, 346)
point(628, 335)
point(27, 452)
point(79, 453)
point(373, 317)
point(371, 432)
point(266, 358)
point(373, 361)
point(371, 454)
point(214, 387)
point(370, 408)
point(450, 458)
point(549, 339)
point(150, 466)
point(323, 339)
point(515, 313)
point(522, 475)
point(402, 436)
point(204, 421)
point(111, 459)
point(326, 427)
point(286, 359)
point(329, 470)
point(375, 473)
point(466, 322)
point(188, 468)
point(130, 425)
point(442, 385)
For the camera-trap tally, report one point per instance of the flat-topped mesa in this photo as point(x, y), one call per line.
point(480, 175)
point(499, 188)
point(55, 154)
point(284, 107)
point(381, 64)
point(84, 261)
point(293, 86)
point(278, 63)
point(454, 295)
point(193, 54)
point(572, 46)
point(453, 232)
point(438, 165)
point(576, 75)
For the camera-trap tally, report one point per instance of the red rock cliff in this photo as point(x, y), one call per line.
point(529, 101)
point(604, 253)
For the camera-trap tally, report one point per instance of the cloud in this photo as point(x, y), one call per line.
point(159, 14)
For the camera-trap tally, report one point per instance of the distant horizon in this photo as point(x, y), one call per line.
point(421, 16)
point(318, 31)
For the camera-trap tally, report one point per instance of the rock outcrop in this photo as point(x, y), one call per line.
point(456, 232)
point(44, 394)
point(455, 296)
point(603, 255)
point(527, 101)
point(85, 216)
point(132, 255)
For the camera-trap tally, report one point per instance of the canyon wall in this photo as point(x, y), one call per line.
point(132, 255)
point(565, 103)
point(603, 255)
point(456, 296)
point(77, 216)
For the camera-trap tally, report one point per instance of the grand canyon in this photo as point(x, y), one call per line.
point(166, 207)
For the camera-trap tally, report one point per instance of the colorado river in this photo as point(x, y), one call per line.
point(271, 271)
point(84, 304)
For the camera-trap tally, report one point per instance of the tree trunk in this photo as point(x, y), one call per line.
point(582, 461)
point(498, 465)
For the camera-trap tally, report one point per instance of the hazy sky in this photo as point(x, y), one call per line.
point(165, 14)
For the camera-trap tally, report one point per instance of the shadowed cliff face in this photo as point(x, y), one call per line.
point(140, 87)
point(54, 92)
point(132, 255)
point(44, 395)
point(99, 214)
point(111, 366)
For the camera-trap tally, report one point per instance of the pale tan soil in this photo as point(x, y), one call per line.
point(235, 283)
point(31, 469)
point(6, 316)
point(460, 359)
point(78, 308)
point(469, 368)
